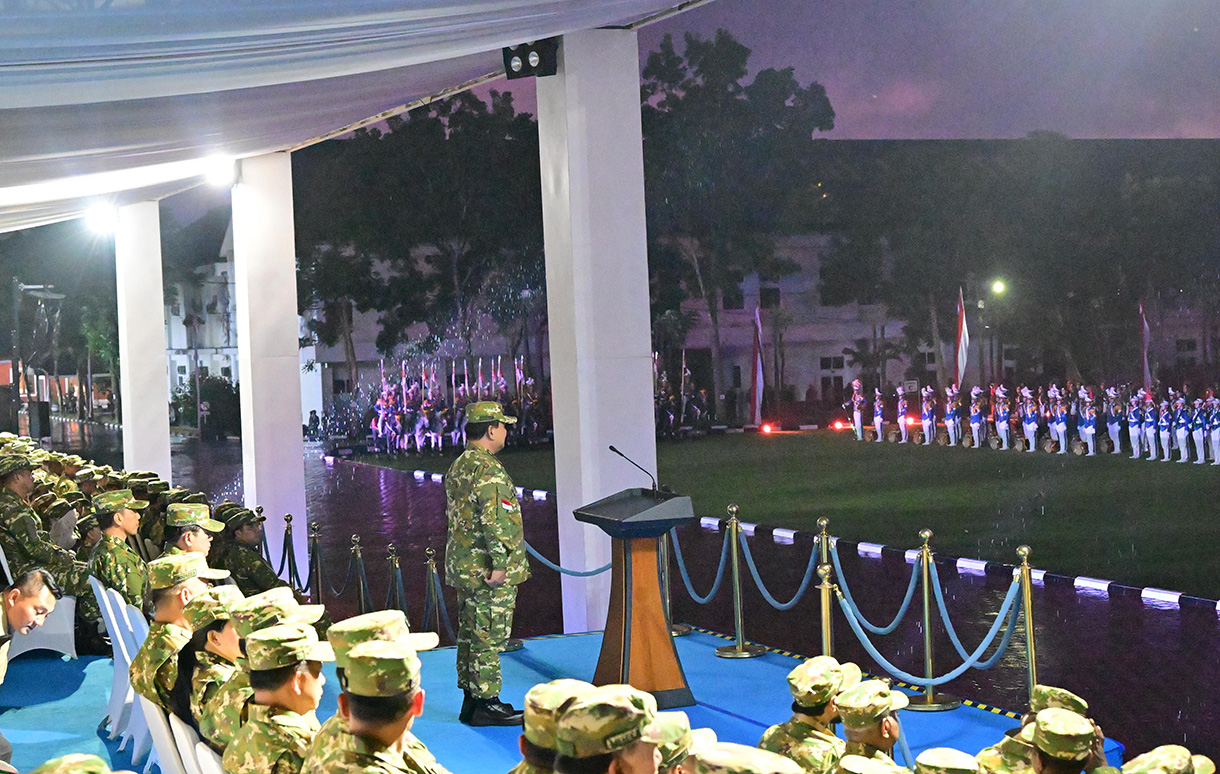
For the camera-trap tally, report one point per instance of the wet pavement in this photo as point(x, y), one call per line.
point(1151, 673)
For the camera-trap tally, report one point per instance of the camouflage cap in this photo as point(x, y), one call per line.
point(215, 604)
point(945, 760)
point(240, 517)
point(1202, 764)
point(543, 704)
point(168, 571)
point(11, 463)
point(1063, 734)
point(606, 720)
point(222, 510)
point(191, 515)
point(284, 645)
point(43, 500)
point(380, 668)
point(1049, 697)
point(820, 679)
point(73, 459)
point(379, 626)
point(869, 702)
point(76, 763)
point(730, 758)
point(117, 500)
point(157, 487)
point(86, 523)
point(58, 508)
point(676, 725)
point(1166, 759)
point(270, 608)
point(76, 497)
point(487, 411)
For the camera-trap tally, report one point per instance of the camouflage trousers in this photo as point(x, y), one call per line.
point(485, 619)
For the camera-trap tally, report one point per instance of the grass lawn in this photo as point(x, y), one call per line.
point(1136, 522)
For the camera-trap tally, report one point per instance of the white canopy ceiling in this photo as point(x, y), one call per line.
point(125, 103)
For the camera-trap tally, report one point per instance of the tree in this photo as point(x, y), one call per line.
point(721, 157)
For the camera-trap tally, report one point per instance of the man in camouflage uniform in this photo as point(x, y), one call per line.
point(485, 562)
point(1169, 759)
point(335, 740)
point(945, 760)
point(26, 545)
point(542, 705)
point(1013, 754)
point(224, 714)
point(241, 553)
point(611, 723)
point(216, 661)
point(285, 664)
point(807, 737)
point(174, 581)
point(189, 528)
point(1066, 743)
point(870, 723)
point(113, 562)
point(729, 758)
point(89, 534)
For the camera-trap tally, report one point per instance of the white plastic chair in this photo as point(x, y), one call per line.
point(186, 739)
point(57, 634)
point(163, 740)
point(118, 709)
point(133, 628)
point(209, 761)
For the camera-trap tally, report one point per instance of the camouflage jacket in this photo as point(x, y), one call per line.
point(485, 529)
point(25, 543)
point(251, 572)
point(211, 673)
point(118, 567)
point(335, 748)
point(273, 741)
point(1008, 756)
point(868, 751)
point(224, 714)
point(811, 745)
point(170, 551)
point(155, 665)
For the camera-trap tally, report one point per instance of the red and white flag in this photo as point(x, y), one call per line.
point(1145, 343)
point(963, 340)
point(756, 376)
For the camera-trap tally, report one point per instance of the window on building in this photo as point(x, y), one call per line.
point(182, 369)
point(203, 372)
point(1188, 345)
point(732, 298)
point(737, 377)
point(226, 372)
point(832, 364)
point(339, 386)
point(768, 298)
point(929, 358)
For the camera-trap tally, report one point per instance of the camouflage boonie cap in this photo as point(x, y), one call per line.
point(380, 668)
point(43, 500)
point(380, 626)
point(1166, 759)
point(1050, 697)
point(58, 508)
point(168, 571)
point(270, 608)
point(191, 515)
point(945, 760)
point(820, 679)
point(543, 703)
point(677, 725)
point(239, 517)
point(1063, 734)
point(11, 463)
point(215, 604)
point(86, 523)
point(284, 645)
point(157, 487)
point(487, 411)
point(222, 510)
point(869, 702)
point(1202, 764)
point(76, 763)
point(606, 720)
point(858, 764)
point(73, 459)
point(730, 758)
point(117, 500)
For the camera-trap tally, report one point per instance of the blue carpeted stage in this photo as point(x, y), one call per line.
point(55, 705)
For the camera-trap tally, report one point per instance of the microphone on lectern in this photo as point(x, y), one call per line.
point(636, 464)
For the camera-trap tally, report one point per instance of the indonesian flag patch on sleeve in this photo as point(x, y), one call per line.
point(508, 506)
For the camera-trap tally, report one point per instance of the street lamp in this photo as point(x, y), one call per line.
point(998, 287)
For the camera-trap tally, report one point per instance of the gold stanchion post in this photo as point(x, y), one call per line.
point(1027, 602)
point(931, 701)
point(362, 602)
point(395, 571)
point(827, 588)
point(675, 629)
point(740, 648)
point(430, 600)
point(315, 563)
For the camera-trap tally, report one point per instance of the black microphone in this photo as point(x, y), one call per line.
point(633, 462)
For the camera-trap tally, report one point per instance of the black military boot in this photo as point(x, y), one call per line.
point(493, 712)
point(468, 706)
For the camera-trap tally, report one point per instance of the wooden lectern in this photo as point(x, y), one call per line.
point(637, 647)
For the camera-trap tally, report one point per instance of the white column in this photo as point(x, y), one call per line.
point(597, 293)
point(143, 381)
point(269, 366)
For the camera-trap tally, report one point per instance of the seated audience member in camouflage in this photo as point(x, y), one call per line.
point(379, 703)
point(24, 606)
point(174, 581)
point(89, 534)
point(870, 722)
point(189, 528)
point(210, 658)
point(1013, 754)
point(945, 760)
point(807, 738)
point(242, 556)
point(26, 545)
point(334, 739)
point(60, 518)
point(613, 728)
point(676, 726)
point(224, 714)
point(285, 665)
point(543, 703)
point(1169, 759)
point(730, 758)
point(1066, 743)
point(76, 763)
point(113, 561)
point(699, 739)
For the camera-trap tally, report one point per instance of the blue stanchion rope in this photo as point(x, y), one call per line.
point(902, 610)
point(1001, 619)
point(364, 583)
point(690, 589)
point(944, 616)
point(907, 758)
point(440, 601)
point(574, 573)
point(351, 568)
point(772, 601)
point(402, 592)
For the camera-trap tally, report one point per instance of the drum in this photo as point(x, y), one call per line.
point(893, 436)
point(1018, 444)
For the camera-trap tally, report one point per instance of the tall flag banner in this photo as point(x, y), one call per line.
point(756, 376)
point(963, 340)
point(453, 380)
point(480, 378)
point(466, 376)
point(402, 380)
point(1145, 343)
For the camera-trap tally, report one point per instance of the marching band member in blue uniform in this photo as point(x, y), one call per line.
point(857, 409)
point(1164, 424)
point(903, 430)
point(878, 415)
point(1181, 427)
point(1058, 418)
point(951, 415)
point(1198, 432)
point(1135, 423)
point(928, 417)
point(1002, 415)
point(1029, 419)
point(1086, 424)
point(1213, 427)
point(976, 415)
point(1152, 423)
point(1114, 419)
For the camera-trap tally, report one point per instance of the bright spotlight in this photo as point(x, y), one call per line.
point(838, 424)
point(766, 429)
point(220, 170)
point(102, 218)
point(998, 287)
